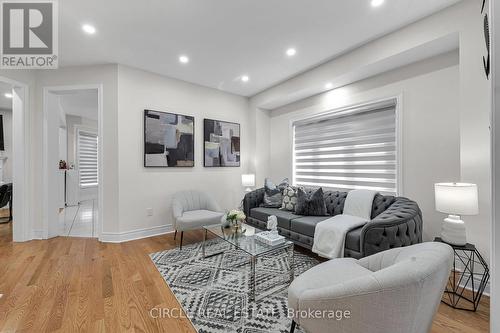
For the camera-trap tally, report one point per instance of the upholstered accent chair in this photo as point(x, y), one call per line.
point(193, 210)
point(396, 291)
point(6, 199)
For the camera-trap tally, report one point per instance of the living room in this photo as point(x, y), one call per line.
point(392, 99)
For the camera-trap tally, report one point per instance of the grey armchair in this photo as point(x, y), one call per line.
point(395, 291)
point(193, 210)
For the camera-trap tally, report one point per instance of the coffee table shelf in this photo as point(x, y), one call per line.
point(247, 242)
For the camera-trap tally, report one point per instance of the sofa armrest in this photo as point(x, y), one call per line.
point(252, 200)
point(400, 225)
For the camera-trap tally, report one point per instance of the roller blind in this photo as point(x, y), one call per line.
point(348, 149)
point(87, 158)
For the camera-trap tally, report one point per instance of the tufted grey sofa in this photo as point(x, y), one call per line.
point(396, 222)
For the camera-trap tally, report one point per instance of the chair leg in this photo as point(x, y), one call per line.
point(292, 329)
point(175, 234)
point(182, 236)
point(10, 210)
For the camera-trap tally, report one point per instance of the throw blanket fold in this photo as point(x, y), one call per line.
point(330, 234)
point(359, 203)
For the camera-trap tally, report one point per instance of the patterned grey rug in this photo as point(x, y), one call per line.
point(214, 291)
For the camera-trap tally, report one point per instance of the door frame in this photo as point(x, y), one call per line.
point(21, 149)
point(100, 130)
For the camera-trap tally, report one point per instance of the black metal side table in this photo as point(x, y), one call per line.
point(469, 276)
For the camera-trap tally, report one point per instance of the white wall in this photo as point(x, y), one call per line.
point(464, 20)
point(7, 137)
point(430, 127)
point(142, 188)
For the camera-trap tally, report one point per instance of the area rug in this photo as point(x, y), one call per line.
point(214, 291)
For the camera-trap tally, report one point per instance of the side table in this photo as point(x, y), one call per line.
point(468, 278)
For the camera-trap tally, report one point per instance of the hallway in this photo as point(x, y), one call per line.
point(81, 220)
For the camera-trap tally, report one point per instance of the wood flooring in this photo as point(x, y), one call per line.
point(80, 285)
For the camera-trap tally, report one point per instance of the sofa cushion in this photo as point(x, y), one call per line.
point(312, 204)
point(353, 238)
point(306, 224)
point(283, 216)
point(289, 198)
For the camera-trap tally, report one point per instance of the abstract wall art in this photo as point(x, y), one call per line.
point(222, 143)
point(168, 139)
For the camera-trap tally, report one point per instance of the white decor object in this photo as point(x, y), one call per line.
point(272, 224)
point(456, 199)
point(248, 181)
point(269, 238)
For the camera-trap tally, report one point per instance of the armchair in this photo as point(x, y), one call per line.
point(395, 291)
point(193, 210)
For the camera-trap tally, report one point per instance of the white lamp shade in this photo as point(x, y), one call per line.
point(248, 180)
point(456, 198)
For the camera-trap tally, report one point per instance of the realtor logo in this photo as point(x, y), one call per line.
point(29, 34)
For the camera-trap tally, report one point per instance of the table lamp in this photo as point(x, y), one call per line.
point(248, 181)
point(455, 199)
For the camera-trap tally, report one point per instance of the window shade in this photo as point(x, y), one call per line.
point(87, 158)
point(349, 149)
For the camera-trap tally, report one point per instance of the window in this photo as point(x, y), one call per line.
point(87, 158)
point(348, 149)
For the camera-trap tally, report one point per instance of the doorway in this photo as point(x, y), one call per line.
point(6, 157)
point(72, 161)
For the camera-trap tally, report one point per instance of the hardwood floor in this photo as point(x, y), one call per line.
point(80, 285)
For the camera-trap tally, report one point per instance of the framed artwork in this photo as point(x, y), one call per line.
point(168, 139)
point(221, 143)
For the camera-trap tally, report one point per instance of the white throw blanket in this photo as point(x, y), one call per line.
point(330, 234)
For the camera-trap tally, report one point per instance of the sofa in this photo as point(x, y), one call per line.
point(396, 222)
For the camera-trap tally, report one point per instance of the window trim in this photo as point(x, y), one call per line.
point(353, 109)
point(78, 129)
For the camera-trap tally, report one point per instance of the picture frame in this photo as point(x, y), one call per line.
point(168, 139)
point(221, 143)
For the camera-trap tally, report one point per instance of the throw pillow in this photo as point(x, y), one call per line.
point(273, 194)
point(289, 199)
point(312, 204)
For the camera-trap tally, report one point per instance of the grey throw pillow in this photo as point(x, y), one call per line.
point(289, 199)
point(273, 194)
point(312, 204)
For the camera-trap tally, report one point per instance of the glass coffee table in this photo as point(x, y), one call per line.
point(247, 243)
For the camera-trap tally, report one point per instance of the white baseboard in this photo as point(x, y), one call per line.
point(38, 234)
point(118, 237)
point(477, 281)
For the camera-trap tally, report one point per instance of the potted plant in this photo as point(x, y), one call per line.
point(233, 218)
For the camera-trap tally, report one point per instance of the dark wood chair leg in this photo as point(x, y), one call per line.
point(292, 329)
point(182, 236)
point(175, 234)
point(10, 210)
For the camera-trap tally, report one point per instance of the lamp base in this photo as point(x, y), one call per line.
point(453, 231)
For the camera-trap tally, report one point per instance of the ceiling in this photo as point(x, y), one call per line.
point(5, 103)
point(225, 39)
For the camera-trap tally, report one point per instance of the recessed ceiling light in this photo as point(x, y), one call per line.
point(89, 29)
point(291, 52)
point(183, 59)
point(376, 3)
point(329, 85)
point(245, 78)
point(8, 95)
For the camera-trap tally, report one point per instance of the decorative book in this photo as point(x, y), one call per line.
point(270, 238)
